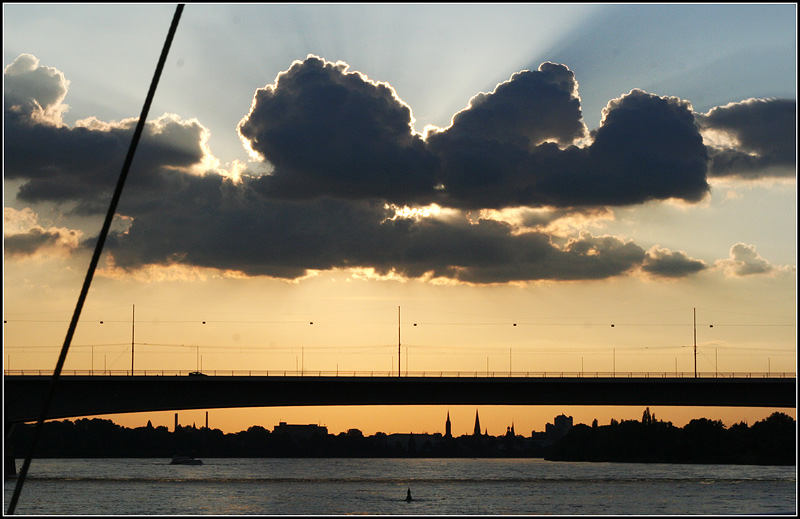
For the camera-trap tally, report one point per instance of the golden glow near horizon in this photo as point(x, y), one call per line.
point(447, 328)
point(364, 338)
point(431, 419)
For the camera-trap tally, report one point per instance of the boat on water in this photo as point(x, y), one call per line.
point(185, 460)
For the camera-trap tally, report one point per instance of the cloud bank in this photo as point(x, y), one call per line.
point(753, 137)
point(24, 237)
point(330, 132)
point(348, 167)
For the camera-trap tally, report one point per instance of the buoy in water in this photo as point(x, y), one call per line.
point(408, 495)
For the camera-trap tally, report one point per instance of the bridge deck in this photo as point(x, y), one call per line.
point(96, 395)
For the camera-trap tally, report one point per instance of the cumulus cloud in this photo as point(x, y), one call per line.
point(515, 174)
point(81, 164)
point(647, 148)
point(24, 237)
point(752, 138)
point(530, 108)
point(670, 264)
point(33, 91)
point(330, 132)
point(745, 261)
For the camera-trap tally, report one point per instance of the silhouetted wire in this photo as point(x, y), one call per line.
point(96, 257)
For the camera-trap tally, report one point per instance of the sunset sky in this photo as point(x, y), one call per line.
point(535, 187)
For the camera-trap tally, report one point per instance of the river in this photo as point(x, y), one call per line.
point(268, 486)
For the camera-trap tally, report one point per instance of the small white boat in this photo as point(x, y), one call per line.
point(185, 460)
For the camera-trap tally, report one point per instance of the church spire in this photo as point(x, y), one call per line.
point(477, 431)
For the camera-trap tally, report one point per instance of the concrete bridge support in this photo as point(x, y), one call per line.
point(9, 455)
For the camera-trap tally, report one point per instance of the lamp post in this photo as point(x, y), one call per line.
point(694, 313)
point(398, 342)
point(133, 334)
point(104, 362)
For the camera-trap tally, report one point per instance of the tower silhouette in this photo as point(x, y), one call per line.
point(477, 431)
point(448, 433)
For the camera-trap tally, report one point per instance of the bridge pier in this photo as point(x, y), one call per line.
point(9, 460)
point(9, 465)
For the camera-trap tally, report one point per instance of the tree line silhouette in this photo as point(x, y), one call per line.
point(771, 441)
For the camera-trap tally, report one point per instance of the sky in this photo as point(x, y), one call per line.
point(579, 188)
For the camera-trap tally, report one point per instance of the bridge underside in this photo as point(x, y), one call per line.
point(98, 395)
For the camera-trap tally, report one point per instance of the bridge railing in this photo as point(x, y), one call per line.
point(437, 374)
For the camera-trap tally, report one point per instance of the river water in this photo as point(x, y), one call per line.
point(379, 487)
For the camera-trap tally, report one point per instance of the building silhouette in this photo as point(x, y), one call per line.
point(300, 431)
point(413, 442)
point(448, 432)
point(477, 431)
point(561, 426)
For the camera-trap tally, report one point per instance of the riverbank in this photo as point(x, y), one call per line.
point(771, 441)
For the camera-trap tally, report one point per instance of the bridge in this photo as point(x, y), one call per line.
point(125, 392)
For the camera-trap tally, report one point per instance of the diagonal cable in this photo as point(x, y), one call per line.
point(95, 258)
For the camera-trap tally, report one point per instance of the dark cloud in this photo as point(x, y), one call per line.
point(240, 230)
point(23, 236)
point(530, 108)
point(81, 164)
point(671, 264)
point(534, 257)
point(330, 132)
point(647, 148)
point(763, 135)
point(345, 155)
point(27, 244)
